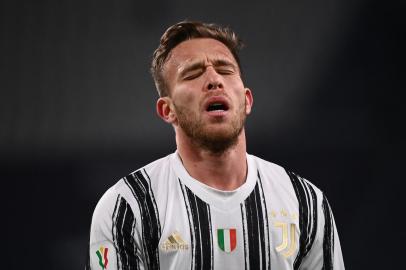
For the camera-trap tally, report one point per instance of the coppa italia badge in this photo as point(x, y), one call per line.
point(227, 239)
point(102, 255)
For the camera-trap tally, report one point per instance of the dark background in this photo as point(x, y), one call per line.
point(77, 112)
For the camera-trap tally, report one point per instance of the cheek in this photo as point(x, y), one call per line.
point(236, 84)
point(185, 97)
point(238, 90)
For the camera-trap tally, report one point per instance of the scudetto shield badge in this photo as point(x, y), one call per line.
point(227, 239)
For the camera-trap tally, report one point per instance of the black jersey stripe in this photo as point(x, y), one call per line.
point(314, 220)
point(113, 230)
point(152, 197)
point(196, 228)
point(311, 200)
point(202, 230)
point(209, 238)
point(122, 231)
point(206, 234)
point(134, 246)
point(307, 200)
point(140, 187)
point(308, 203)
point(192, 235)
point(200, 215)
point(255, 230)
point(268, 243)
point(245, 236)
point(328, 239)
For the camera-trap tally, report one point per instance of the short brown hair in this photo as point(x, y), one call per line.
point(187, 30)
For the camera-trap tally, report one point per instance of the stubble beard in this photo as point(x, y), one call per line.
point(214, 140)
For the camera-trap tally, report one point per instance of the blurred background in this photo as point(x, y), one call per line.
point(77, 112)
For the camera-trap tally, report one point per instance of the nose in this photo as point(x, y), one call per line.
point(214, 86)
point(214, 80)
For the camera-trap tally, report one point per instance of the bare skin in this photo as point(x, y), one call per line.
point(224, 172)
point(200, 73)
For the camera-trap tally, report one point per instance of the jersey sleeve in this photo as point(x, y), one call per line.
point(326, 250)
point(113, 235)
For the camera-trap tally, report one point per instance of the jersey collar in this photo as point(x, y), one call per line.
point(223, 200)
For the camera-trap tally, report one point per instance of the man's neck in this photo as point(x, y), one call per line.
point(226, 171)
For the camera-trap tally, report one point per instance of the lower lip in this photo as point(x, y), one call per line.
point(218, 113)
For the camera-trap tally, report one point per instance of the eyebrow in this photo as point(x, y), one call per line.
point(201, 65)
point(190, 67)
point(222, 62)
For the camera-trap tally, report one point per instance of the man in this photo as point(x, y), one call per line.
point(210, 205)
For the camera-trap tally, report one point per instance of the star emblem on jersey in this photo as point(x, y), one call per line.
point(102, 255)
point(174, 242)
point(227, 239)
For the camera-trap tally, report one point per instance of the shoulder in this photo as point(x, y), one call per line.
point(142, 179)
point(279, 175)
point(131, 189)
point(268, 168)
point(288, 186)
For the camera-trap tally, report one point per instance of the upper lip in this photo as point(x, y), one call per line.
point(217, 99)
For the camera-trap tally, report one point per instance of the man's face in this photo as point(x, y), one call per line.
point(207, 96)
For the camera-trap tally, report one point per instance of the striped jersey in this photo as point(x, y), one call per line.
point(159, 217)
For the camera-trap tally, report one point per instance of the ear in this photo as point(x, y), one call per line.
point(249, 100)
point(164, 109)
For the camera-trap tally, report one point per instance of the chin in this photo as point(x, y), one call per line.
point(213, 136)
point(220, 131)
point(218, 140)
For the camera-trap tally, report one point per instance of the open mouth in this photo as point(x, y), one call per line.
point(217, 106)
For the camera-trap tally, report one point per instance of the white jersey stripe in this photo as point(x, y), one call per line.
point(227, 247)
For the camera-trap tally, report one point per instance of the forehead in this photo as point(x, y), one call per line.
point(199, 49)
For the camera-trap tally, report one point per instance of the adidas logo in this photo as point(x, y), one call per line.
point(174, 242)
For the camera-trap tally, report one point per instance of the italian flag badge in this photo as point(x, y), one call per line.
point(227, 239)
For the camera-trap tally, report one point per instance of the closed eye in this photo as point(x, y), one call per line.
point(192, 75)
point(225, 71)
